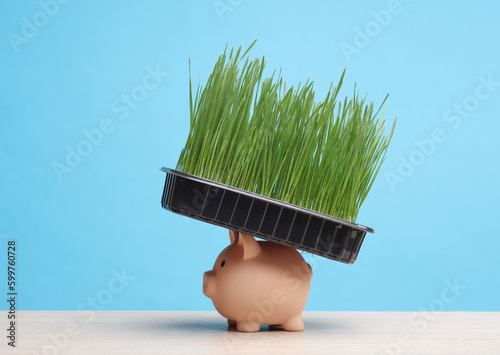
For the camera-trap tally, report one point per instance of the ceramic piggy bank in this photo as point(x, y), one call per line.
point(259, 283)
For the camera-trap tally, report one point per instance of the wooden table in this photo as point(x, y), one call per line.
point(70, 332)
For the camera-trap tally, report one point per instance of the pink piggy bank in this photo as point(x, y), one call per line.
point(255, 283)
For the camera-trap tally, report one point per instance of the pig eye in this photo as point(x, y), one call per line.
point(223, 263)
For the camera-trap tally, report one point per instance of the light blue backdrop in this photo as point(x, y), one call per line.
point(109, 81)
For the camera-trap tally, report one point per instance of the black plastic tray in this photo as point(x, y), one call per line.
point(263, 217)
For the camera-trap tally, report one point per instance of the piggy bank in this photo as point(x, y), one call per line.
point(256, 283)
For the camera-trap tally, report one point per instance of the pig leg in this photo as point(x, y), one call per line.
point(294, 324)
point(231, 322)
point(247, 327)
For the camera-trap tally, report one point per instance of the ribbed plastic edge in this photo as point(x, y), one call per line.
point(263, 217)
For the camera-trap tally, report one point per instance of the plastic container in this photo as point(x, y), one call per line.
point(262, 217)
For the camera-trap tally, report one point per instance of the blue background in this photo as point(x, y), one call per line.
point(434, 209)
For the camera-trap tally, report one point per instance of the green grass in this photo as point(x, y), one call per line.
point(256, 134)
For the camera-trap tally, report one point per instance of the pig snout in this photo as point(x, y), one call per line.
point(209, 284)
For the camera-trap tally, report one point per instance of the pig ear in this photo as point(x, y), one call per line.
point(251, 247)
point(233, 236)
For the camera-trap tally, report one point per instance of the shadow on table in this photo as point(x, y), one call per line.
point(190, 324)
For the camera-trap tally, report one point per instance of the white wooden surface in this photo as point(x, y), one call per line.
point(56, 332)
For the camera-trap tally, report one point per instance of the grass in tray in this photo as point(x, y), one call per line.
point(256, 134)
